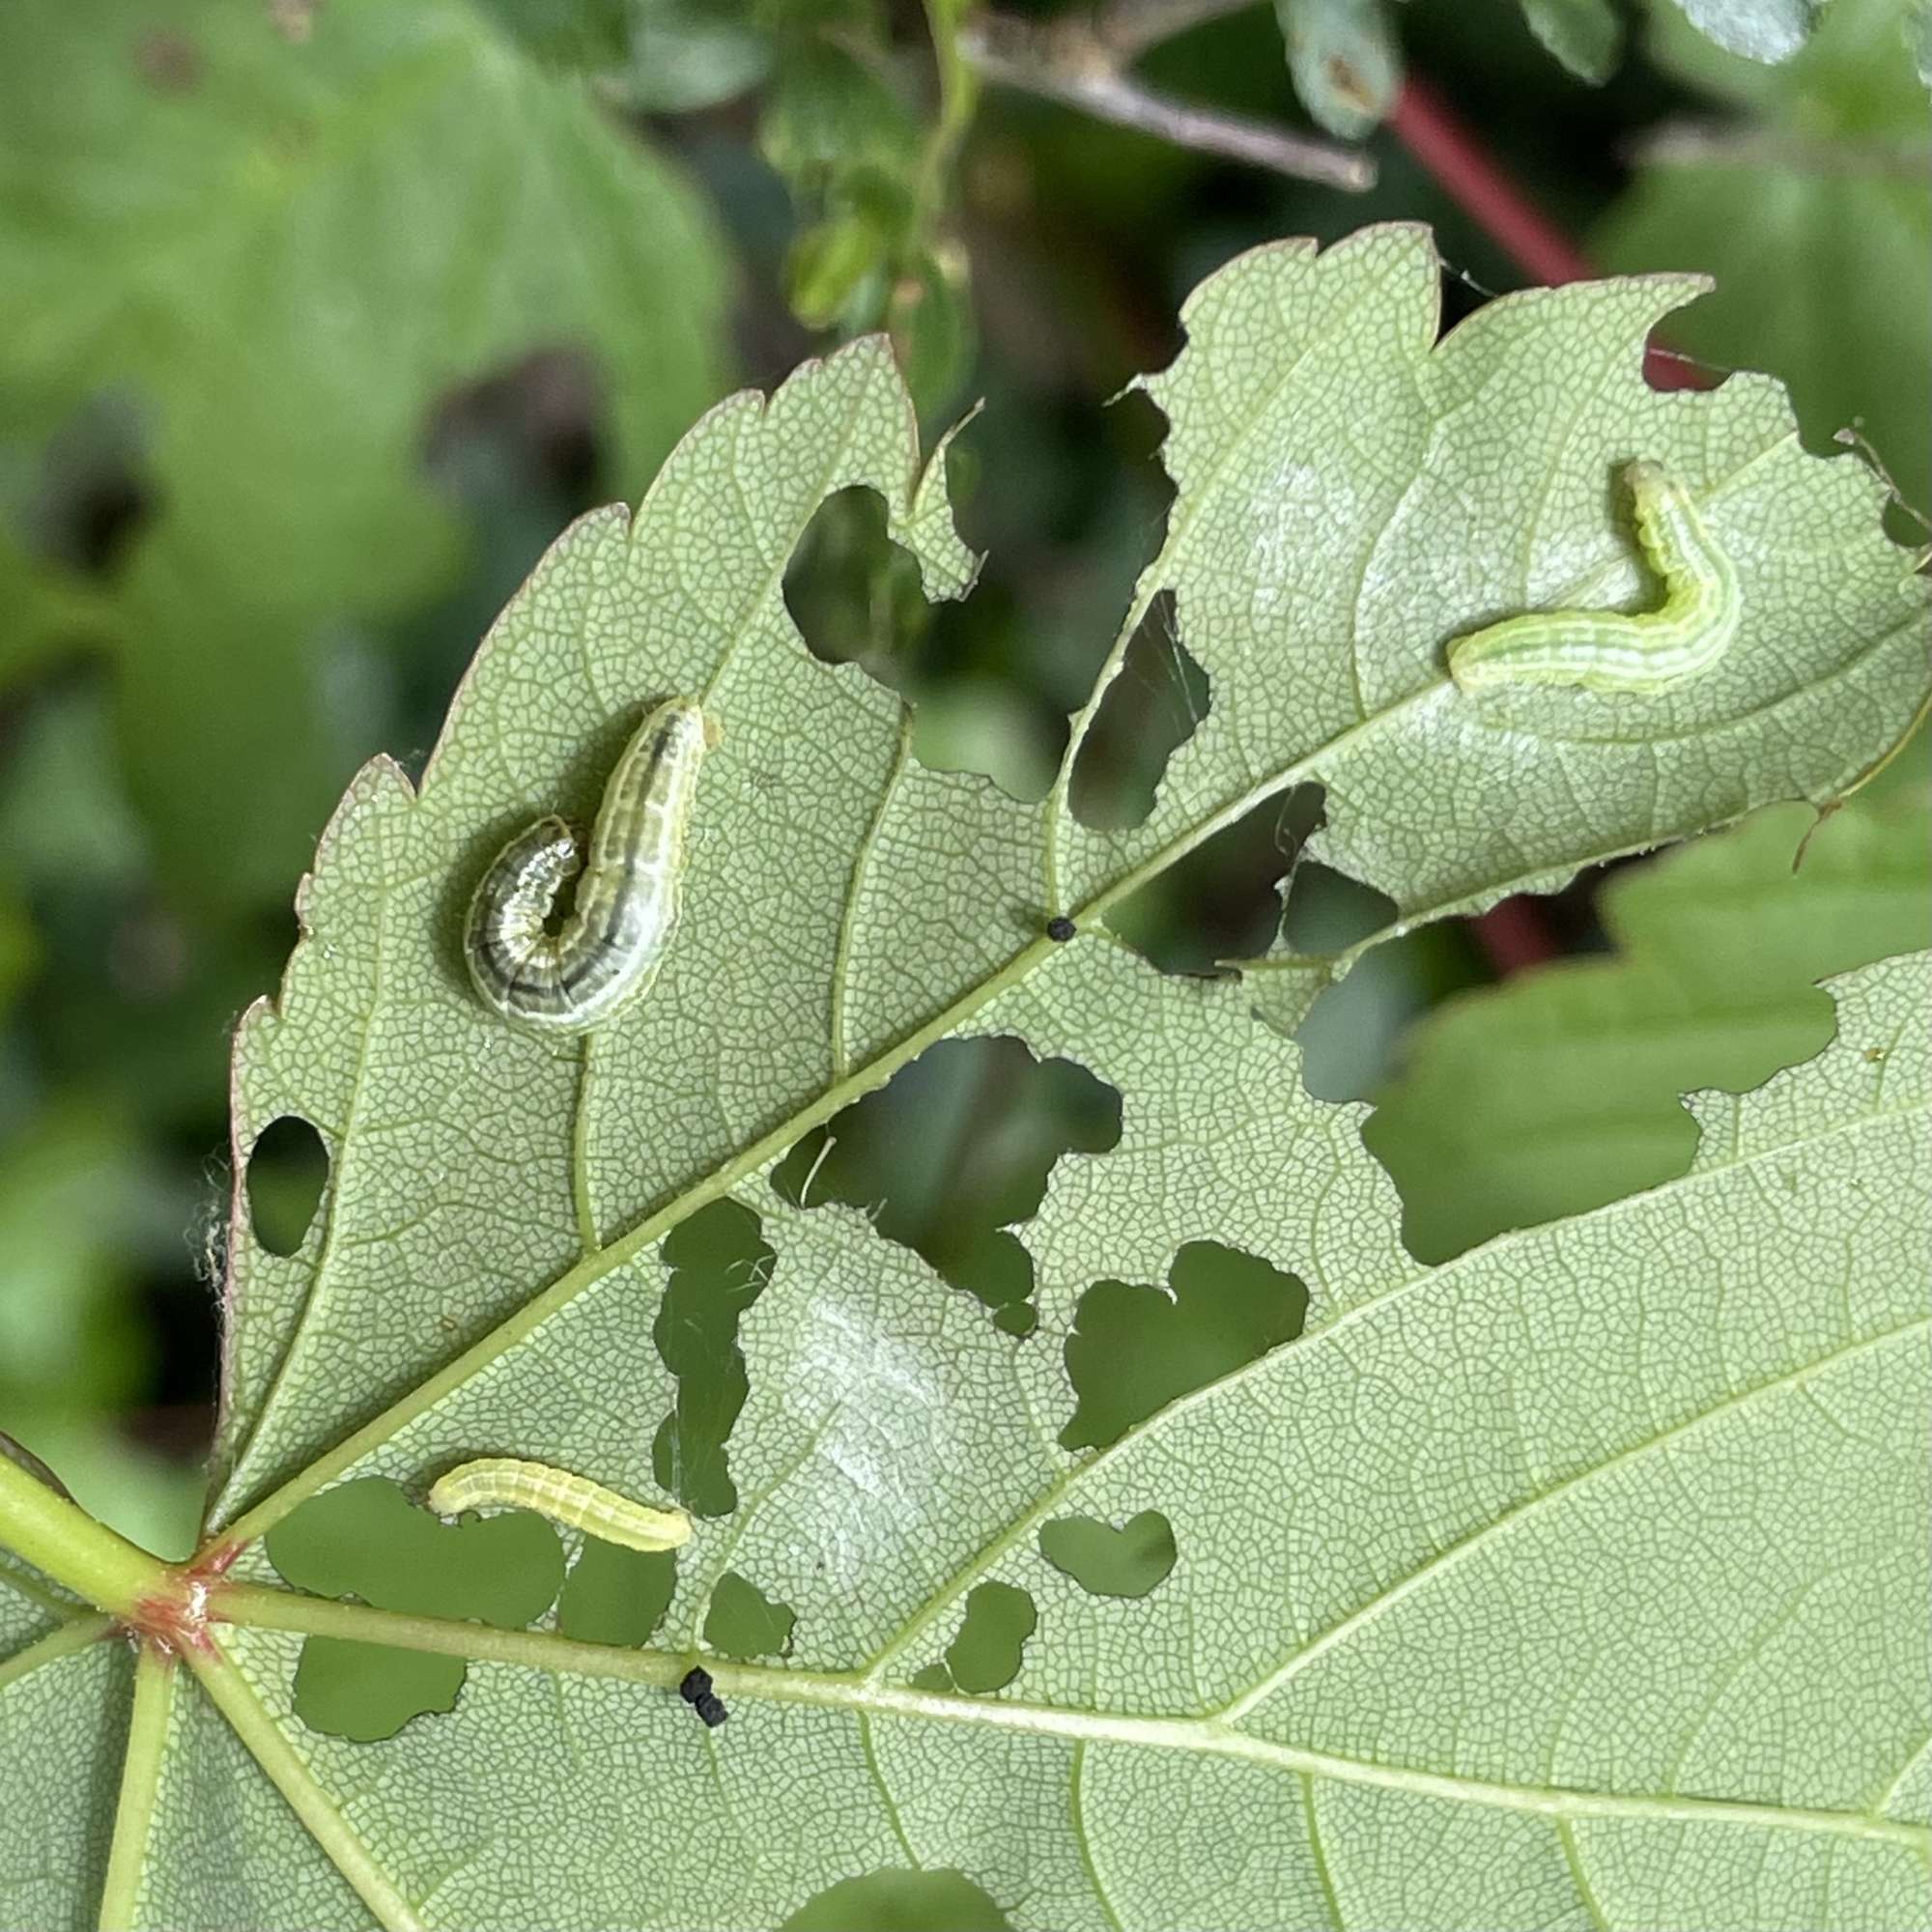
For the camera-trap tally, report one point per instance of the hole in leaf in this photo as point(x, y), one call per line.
point(288, 1168)
point(720, 1264)
point(367, 1540)
point(1154, 704)
point(617, 1596)
point(1223, 899)
point(744, 1622)
point(897, 1900)
point(1326, 910)
point(952, 1150)
point(854, 593)
point(855, 598)
point(1130, 1561)
point(1132, 1350)
point(1348, 1037)
point(368, 1691)
point(987, 1654)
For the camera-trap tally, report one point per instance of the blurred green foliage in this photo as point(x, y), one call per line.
point(1807, 193)
point(1559, 1092)
point(256, 249)
point(318, 322)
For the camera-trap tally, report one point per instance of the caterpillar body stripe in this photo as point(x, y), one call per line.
point(609, 951)
point(1610, 650)
point(502, 1482)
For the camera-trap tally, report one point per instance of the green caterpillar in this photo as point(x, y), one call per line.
point(608, 951)
point(501, 1482)
point(1608, 650)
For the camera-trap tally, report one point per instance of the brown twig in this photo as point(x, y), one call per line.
point(1084, 64)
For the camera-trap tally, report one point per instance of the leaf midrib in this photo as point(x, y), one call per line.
point(254, 1605)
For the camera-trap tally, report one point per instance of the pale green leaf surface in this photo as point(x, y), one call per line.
point(1515, 1596)
point(453, 1188)
point(1439, 1452)
point(63, 1724)
point(1558, 1091)
point(1760, 30)
point(1352, 495)
point(282, 253)
point(885, 906)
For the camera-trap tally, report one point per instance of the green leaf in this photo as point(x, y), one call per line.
point(1833, 173)
point(930, 321)
point(830, 263)
point(1760, 30)
point(1519, 1589)
point(1585, 35)
point(285, 234)
point(1343, 57)
point(688, 55)
point(1558, 1091)
point(1286, 537)
point(1353, 494)
point(1503, 1592)
point(832, 114)
point(588, 34)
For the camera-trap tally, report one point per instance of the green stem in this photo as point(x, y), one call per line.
point(958, 98)
point(256, 1607)
point(64, 1542)
point(155, 1678)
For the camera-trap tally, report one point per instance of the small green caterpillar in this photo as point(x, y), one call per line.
point(501, 1482)
point(1608, 650)
point(608, 951)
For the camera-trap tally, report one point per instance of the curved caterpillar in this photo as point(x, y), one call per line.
point(609, 951)
point(501, 1482)
point(1610, 650)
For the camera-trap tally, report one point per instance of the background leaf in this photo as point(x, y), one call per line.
point(1815, 215)
point(277, 271)
point(1559, 1092)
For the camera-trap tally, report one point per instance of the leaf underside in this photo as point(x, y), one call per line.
point(1515, 1592)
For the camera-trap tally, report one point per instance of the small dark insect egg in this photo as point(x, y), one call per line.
point(1061, 929)
point(711, 1710)
point(695, 1687)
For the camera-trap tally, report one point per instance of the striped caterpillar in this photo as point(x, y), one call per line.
point(501, 1482)
point(1608, 650)
point(608, 951)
